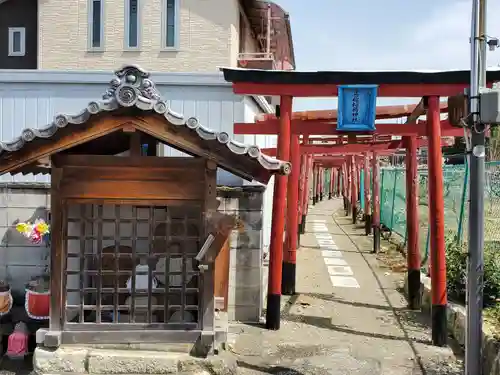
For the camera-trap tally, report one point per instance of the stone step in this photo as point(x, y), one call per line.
point(92, 361)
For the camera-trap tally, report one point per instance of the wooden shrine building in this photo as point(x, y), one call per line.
point(126, 224)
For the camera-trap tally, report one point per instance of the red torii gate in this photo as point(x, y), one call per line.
point(289, 84)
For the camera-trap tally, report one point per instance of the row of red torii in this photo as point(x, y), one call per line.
point(347, 154)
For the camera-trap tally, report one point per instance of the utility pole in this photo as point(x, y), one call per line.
point(473, 347)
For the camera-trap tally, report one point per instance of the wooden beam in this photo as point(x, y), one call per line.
point(329, 90)
point(383, 113)
point(30, 153)
point(356, 148)
point(318, 127)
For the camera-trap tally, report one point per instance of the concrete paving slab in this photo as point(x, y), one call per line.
point(333, 328)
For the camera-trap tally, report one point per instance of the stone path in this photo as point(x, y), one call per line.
point(348, 316)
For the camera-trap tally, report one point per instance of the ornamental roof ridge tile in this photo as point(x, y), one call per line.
point(132, 87)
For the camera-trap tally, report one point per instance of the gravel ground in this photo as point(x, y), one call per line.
point(329, 330)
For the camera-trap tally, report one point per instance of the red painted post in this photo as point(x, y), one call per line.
point(345, 186)
point(349, 186)
point(330, 187)
point(334, 181)
point(412, 223)
point(376, 203)
point(358, 176)
point(305, 191)
point(301, 186)
point(339, 181)
point(290, 254)
point(278, 222)
point(302, 180)
point(308, 184)
point(354, 190)
point(321, 182)
point(318, 183)
point(314, 183)
point(366, 180)
point(436, 223)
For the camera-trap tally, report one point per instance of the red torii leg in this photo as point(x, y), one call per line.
point(376, 203)
point(309, 164)
point(436, 223)
point(321, 182)
point(330, 187)
point(278, 222)
point(354, 190)
point(314, 184)
point(412, 223)
point(318, 183)
point(301, 179)
point(366, 179)
point(358, 176)
point(339, 181)
point(302, 192)
point(290, 254)
point(345, 186)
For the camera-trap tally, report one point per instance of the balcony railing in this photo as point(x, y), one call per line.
point(257, 60)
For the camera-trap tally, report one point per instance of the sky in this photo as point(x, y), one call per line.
point(383, 35)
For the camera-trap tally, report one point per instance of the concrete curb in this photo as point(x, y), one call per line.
point(456, 316)
point(74, 360)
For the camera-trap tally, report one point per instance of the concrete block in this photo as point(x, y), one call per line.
point(252, 201)
point(247, 296)
point(247, 239)
point(50, 361)
point(245, 258)
point(252, 219)
point(231, 205)
point(250, 314)
point(29, 198)
point(248, 277)
point(132, 362)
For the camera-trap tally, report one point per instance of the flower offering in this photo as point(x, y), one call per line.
point(36, 232)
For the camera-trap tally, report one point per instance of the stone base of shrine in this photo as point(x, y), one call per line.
point(80, 360)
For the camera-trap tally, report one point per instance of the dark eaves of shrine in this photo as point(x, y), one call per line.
point(131, 92)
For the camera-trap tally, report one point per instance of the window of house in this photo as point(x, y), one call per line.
point(170, 23)
point(17, 41)
point(96, 28)
point(132, 19)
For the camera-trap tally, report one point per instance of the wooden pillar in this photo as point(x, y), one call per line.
point(348, 185)
point(366, 179)
point(321, 182)
point(412, 224)
point(314, 184)
point(305, 191)
point(339, 181)
point(309, 174)
point(318, 183)
point(345, 186)
point(300, 213)
point(376, 203)
point(436, 223)
point(354, 192)
point(278, 222)
point(330, 190)
point(290, 254)
point(358, 176)
point(57, 252)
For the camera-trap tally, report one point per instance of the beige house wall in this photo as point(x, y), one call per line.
point(208, 36)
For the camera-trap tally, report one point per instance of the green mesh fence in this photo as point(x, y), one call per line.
point(455, 194)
